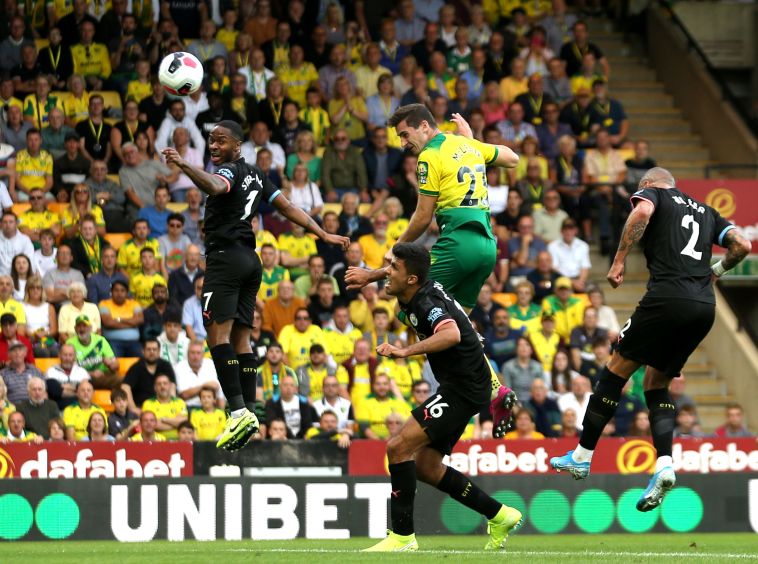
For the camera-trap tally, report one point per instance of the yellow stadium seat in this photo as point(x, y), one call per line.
point(112, 101)
point(40, 43)
point(44, 363)
point(504, 299)
point(61, 95)
point(18, 209)
point(125, 363)
point(177, 207)
point(114, 178)
point(57, 207)
point(103, 399)
point(333, 207)
point(363, 209)
point(117, 239)
point(585, 299)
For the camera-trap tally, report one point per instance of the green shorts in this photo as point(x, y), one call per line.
point(462, 260)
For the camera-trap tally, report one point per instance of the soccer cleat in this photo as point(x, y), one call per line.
point(508, 520)
point(501, 409)
point(238, 431)
point(579, 470)
point(660, 483)
point(395, 543)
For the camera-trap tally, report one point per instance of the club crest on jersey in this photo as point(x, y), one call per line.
point(413, 319)
point(435, 314)
point(226, 173)
point(422, 172)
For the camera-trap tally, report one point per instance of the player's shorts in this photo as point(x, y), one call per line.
point(462, 260)
point(444, 417)
point(663, 333)
point(232, 279)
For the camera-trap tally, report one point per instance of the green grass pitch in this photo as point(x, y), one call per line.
point(684, 547)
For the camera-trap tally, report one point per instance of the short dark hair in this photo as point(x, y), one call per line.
point(33, 131)
point(146, 250)
point(117, 394)
point(186, 425)
point(416, 259)
point(176, 217)
point(136, 221)
point(232, 127)
point(316, 348)
point(413, 115)
point(151, 340)
point(418, 383)
point(267, 246)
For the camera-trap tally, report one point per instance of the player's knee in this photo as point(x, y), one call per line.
point(398, 451)
point(655, 380)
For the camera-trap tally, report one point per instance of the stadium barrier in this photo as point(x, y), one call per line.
point(177, 509)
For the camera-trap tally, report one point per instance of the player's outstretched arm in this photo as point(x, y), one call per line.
point(357, 277)
point(634, 229)
point(447, 335)
point(737, 248)
point(420, 220)
point(298, 216)
point(209, 183)
point(505, 155)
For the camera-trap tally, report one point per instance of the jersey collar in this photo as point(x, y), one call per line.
point(439, 138)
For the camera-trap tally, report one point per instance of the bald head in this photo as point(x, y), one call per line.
point(657, 177)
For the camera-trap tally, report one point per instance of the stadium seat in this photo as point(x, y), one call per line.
point(20, 208)
point(363, 209)
point(40, 43)
point(57, 207)
point(112, 102)
point(114, 178)
point(332, 207)
point(125, 363)
point(505, 299)
point(177, 207)
point(43, 364)
point(103, 399)
point(117, 239)
point(60, 95)
point(585, 299)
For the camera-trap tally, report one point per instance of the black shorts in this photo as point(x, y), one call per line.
point(444, 417)
point(662, 333)
point(232, 279)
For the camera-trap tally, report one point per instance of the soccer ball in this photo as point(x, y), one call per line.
point(180, 73)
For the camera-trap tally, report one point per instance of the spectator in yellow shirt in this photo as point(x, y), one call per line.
point(129, 259)
point(525, 428)
point(296, 248)
point(17, 433)
point(34, 220)
point(148, 423)
point(209, 420)
point(373, 411)
point(327, 431)
point(567, 309)
point(314, 116)
point(141, 284)
point(546, 342)
point(310, 376)
point(296, 339)
point(169, 410)
point(516, 83)
point(298, 75)
point(37, 106)
point(376, 244)
point(361, 310)
point(77, 415)
point(34, 167)
point(341, 335)
point(91, 60)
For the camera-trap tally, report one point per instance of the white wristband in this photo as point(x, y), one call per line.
point(718, 269)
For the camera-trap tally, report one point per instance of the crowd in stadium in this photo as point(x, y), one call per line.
point(101, 264)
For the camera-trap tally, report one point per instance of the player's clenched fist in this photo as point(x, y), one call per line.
point(338, 240)
point(390, 351)
point(172, 156)
point(616, 274)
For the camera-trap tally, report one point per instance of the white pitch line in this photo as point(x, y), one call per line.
point(598, 553)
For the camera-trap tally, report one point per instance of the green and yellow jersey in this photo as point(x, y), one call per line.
point(141, 287)
point(78, 417)
point(172, 408)
point(208, 425)
point(270, 281)
point(453, 168)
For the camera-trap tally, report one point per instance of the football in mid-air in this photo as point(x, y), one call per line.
point(180, 73)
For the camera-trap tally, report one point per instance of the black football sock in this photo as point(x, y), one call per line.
point(601, 407)
point(464, 491)
point(662, 414)
point(228, 371)
point(403, 479)
point(248, 376)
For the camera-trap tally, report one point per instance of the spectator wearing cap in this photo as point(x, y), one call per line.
point(122, 318)
point(38, 410)
point(608, 113)
point(139, 382)
point(9, 335)
point(12, 243)
point(567, 309)
point(9, 305)
point(18, 372)
point(100, 283)
point(69, 168)
point(62, 378)
point(571, 255)
point(192, 313)
point(17, 432)
point(76, 307)
point(58, 280)
point(94, 354)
